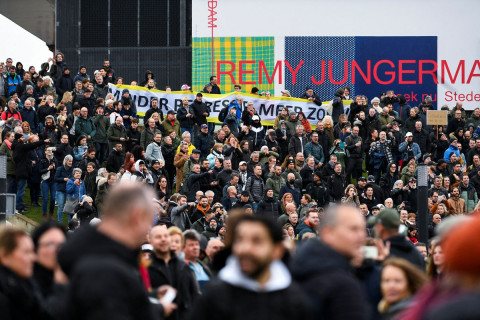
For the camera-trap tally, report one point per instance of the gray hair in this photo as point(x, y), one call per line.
point(209, 192)
point(329, 218)
point(239, 97)
point(186, 133)
point(11, 102)
point(67, 158)
point(75, 170)
point(395, 185)
point(101, 171)
point(300, 126)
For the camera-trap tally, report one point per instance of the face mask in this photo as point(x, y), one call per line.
point(291, 181)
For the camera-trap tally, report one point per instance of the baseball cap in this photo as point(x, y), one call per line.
point(361, 179)
point(273, 134)
point(87, 90)
point(147, 247)
point(245, 193)
point(370, 178)
point(387, 218)
point(204, 126)
point(171, 112)
point(185, 87)
point(125, 90)
point(286, 92)
point(255, 117)
point(375, 208)
point(412, 179)
point(409, 134)
point(452, 140)
point(199, 94)
point(196, 151)
point(155, 162)
point(242, 163)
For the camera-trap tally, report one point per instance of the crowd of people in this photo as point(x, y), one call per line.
point(234, 218)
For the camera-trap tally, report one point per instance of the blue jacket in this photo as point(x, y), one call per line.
point(15, 80)
point(62, 173)
point(235, 104)
point(74, 191)
point(450, 150)
point(417, 153)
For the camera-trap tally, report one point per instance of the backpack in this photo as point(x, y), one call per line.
point(223, 114)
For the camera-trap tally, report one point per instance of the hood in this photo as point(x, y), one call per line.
point(147, 73)
point(87, 241)
point(280, 278)
point(314, 257)
point(137, 165)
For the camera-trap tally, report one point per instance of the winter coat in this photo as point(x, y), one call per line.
point(319, 193)
point(179, 273)
point(114, 133)
point(114, 161)
point(269, 207)
point(337, 107)
point(409, 149)
point(75, 191)
point(64, 84)
point(275, 183)
point(400, 247)
point(468, 194)
point(20, 298)
point(377, 157)
point(295, 191)
point(31, 116)
point(100, 90)
point(168, 127)
point(154, 152)
point(324, 275)
point(337, 184)
point(10, 163)
point(85, 127)
point(182, 117)
point(102, 124)
point(256, 187)
point(94, 263)
point(315, 150)
point(23, 163)
point(297, 144)
point(292, 125)
point(179, 216)
point(85, 213)
point(199, 108)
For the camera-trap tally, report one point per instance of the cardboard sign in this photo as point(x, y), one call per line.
point(437, 118)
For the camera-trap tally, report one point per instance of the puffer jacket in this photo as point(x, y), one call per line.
point(255, 186)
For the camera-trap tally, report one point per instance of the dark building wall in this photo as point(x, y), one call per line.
point(135, 35)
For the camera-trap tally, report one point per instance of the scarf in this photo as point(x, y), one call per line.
point(8, 143)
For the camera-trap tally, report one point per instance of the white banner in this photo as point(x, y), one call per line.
point(266, 108)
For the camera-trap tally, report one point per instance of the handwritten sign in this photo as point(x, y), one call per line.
point(437, 117)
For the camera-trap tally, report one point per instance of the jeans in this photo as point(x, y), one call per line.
point(48, 188)
point(35, 190)
point(61, 198)
point(21, 185)
point(12, 184)
point(101, 154)
point(211, 128)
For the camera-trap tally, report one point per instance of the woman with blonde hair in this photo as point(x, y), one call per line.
point(328, 128)
point(351, 196)
point(27, 132)
point(216, 152)
point(400, 281)
point(48, 84)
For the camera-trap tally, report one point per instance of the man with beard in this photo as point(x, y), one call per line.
point(154, 149)
point(254, 276)
point(153, 109)
point(276, 181)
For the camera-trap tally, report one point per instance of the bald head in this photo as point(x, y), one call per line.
point(343, 229)
point(214, 245)
point(290, 207)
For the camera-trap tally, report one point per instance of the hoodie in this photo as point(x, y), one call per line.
point(138, 175)
point(402, 248)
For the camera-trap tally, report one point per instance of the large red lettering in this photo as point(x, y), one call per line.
point(445, 67)
point(391, 73)
point(421, 71)
point(241, 72)
point(294, 72)
point(263, 69)
point(472, 74)
point(401, 71)
point(230, 73)
point(315, 81)
point(367, 78)
point(345, 72)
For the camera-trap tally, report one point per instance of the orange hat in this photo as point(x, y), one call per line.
point(462, 248)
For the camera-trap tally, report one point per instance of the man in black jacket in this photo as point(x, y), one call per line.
point(386, 226)
point(23, 165)
point(153, 108)
point(323, 268)
point(102, 263)
point(168, 269)
point(337, 183)
point(115, 158)
point(62, 149)
point(254, 284)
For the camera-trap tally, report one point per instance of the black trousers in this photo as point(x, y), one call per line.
point(353, 167)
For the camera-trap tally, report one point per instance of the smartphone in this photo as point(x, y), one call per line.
point(370, 252)
point(169, 296)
